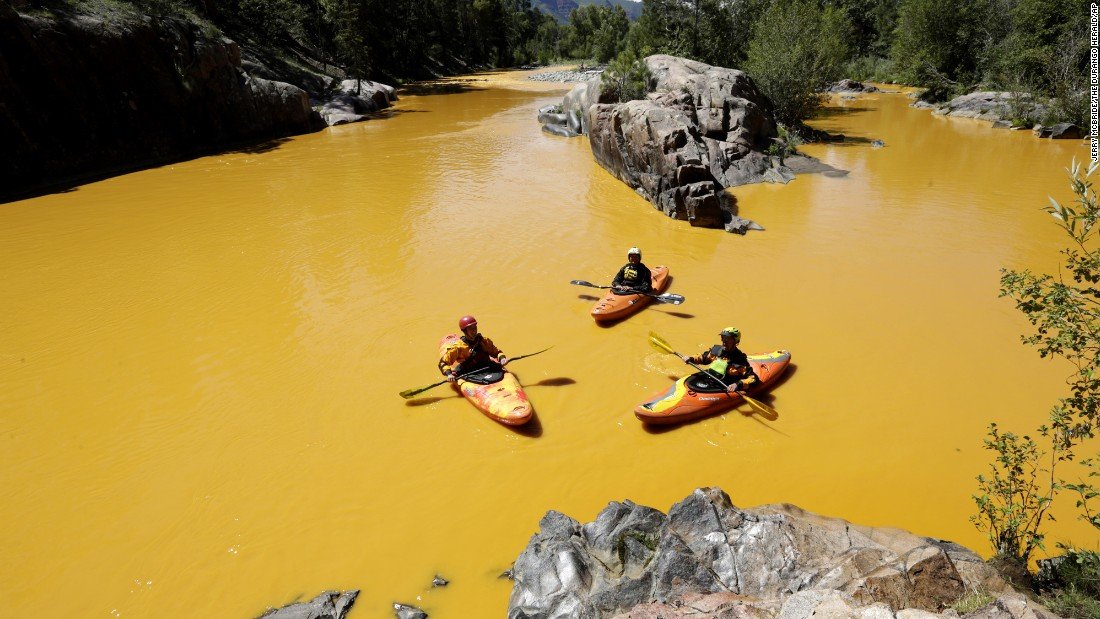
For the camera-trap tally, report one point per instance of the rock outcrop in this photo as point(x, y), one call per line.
point(84, 96)
point(328, 605)
point(707, 558)
point(851, 86)
point(353, 101)
point(702, 129)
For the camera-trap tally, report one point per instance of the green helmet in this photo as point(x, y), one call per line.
point(733, 332)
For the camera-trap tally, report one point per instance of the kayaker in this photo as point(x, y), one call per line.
point(470, 352)
point(726, 362)
point(634, 277)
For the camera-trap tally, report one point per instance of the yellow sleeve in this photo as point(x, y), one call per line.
point(454, 355)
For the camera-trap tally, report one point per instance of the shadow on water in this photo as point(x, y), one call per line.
point(390, 112)
point(662, 429)
point(676, 314)
point(438, 87)
point(560, 381)
point(256, 149)
point(588, 297)
point(803, 164)
point(430, 400)
point(531, 429)
point(855, 140)
point(837, 111)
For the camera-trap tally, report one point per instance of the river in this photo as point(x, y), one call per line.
point(199, 363)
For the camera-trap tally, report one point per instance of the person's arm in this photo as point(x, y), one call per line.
point(700, 359)
point(451, 359)
point(742, 373)
point(495, 353)
point(646, 277)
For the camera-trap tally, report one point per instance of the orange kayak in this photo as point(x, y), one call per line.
point(700, 395)
point(618, 306)
point(493, 391)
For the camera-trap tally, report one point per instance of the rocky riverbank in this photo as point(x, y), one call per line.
point(82, 96)
point(708, 558)
point(700, 130)
point(1005, 110)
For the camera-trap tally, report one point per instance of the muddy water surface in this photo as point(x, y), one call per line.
point(199, 363)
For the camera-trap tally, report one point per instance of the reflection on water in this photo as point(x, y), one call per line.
point(200, 362)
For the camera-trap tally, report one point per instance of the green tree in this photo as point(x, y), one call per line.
point(942, 43)
point(627, 76)
point(1065, 310)
point(796, 49)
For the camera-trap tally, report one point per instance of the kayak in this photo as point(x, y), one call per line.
point(618, 306)
point(493, 391)
point(700, 394)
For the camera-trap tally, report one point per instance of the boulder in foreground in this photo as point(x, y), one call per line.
point(708, 558)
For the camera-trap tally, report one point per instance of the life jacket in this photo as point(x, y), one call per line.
point(478, 356)
point(632, 274)
point(720, 363)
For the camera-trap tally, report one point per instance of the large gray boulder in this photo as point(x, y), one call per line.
point(702, 129)
point(770, 562)
point(328, 605)
point(354, 100)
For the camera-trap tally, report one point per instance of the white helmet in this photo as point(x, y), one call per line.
point(634, 251)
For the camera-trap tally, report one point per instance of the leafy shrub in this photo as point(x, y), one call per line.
point(627, 76)
point(797, 48)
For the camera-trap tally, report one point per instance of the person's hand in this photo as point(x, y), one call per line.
point(503, 360)
point(735, 387)
point(450, 377)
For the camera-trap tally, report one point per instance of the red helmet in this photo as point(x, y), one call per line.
point(466, 321)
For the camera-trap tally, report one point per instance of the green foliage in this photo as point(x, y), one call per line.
point(597, 32)
point(1075, 580)
point(796, 49)
point(871, 68)
point(940, 43)
point(1015, 496)
point(785, 144)
point(1072, 604)
point(972, 601)
point(627, 76)
point(1065, 311)
point(1086, 492)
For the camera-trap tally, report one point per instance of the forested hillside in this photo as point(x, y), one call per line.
point(789, 46)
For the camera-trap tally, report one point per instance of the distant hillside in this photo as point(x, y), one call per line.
point(560, 9)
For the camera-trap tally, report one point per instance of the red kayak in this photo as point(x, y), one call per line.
point(495, 391)
point(618, 306)
point(700, 395)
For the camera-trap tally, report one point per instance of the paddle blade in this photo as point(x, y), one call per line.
point(761, 408)
point(673, 299)
point(581, 282)
point(660, 344)
point(408, 393)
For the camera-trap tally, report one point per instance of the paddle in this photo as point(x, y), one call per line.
point(674, 299)
point(660, 344)
point(408, 393)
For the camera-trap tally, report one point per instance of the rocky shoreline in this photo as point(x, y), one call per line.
point(707, 558)
point(699, 131)
point(86, 96)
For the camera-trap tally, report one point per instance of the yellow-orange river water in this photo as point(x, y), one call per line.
point(199, 363)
